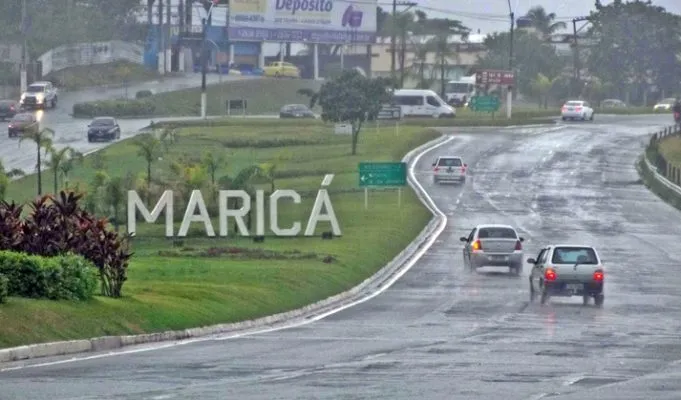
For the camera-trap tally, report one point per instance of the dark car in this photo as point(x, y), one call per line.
point(296, 111)
point(103, 128)
point(8, 108)
point(22, 123)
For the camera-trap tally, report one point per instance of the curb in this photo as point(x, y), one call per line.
point(392, 270)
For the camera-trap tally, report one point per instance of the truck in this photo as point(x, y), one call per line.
point(41, 95)
point(458, 92)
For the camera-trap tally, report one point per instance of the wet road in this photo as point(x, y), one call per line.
point(443, 333)
point(72, 132)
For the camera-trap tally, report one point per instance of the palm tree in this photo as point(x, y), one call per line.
point(67, 166)
point(544, 23)
point(149, 147)
point(57, 160)
point(443, 29)
point(5, 177)
point(42, 140)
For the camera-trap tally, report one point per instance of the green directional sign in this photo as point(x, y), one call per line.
point(382, 174)
point(484, 103)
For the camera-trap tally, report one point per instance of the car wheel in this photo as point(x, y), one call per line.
point(435, 180)
point(564, 118)
point(533, 294)
point(89, 139)
point(585, 300)
point(514, 269)
point(598, 300)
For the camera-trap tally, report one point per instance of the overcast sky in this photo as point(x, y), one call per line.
point(492, 15)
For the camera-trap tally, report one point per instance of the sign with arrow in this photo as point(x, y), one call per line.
point(383, 174)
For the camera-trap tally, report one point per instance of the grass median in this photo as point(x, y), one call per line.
point(116, 73)
point(196, 281)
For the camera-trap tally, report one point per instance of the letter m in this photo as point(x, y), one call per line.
point(135, 204)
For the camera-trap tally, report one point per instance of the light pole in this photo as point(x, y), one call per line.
point(23, 79)
point(222, 89)
point(576, 65)
point(204, 67)
point(509, 89)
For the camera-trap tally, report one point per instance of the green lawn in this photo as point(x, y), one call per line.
point(195, 281)
point(80, 77)
point(670, 148)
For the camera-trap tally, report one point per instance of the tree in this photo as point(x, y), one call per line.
point(541, 87)
point(115, 198)
point(5, 177)
point(635, 45)
point(213, 163)
point(43, 141)
point(268, 172)
point(149, 148)
point(544, 23)
point(353, 98)
point(58, 159)
point(67, 166)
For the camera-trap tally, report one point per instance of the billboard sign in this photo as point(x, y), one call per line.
point(314, 21)
point(494, 77)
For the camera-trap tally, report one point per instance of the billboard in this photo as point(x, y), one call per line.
point(314, 21)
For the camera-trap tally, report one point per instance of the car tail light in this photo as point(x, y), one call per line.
point(11, 108)
point(10, 126)
point(550, 274)
point(598, 276)
point(463, 170)
point(518, 245)
point(564, 108)
point(477, 245)
point(578, 109)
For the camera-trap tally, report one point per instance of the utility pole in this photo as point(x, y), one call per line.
point(204, 67)
point(509, 89)
point(576, 64)
point(23, 84)
point(161, 35)
point(169, 14)
point(393, 34)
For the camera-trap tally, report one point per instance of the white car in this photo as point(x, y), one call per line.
point(567, 270)
point(493, 246)
point(449, 169)
point(664, 104)
point(577, 109)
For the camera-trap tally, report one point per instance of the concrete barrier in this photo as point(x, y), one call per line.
point(311, 312)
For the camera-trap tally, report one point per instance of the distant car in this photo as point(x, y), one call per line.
point(577, 109)
point(103, 128)
point(8, 108)
point(613, 103)
point(664, 104)
point(493, 246)
point(41, 94)
point(22, 123)
point(449, 169)
point(567, 270)
point(281, 69)
point(296, 111)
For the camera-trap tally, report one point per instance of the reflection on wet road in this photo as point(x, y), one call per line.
point(443, 333)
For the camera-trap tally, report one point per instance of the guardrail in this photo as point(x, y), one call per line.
point(666, 172)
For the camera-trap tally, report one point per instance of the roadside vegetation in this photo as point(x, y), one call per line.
point(664, 153)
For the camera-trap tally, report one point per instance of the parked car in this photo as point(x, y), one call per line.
point(103, 128)
point(41, 94)
point(281, 69)
point(8, 108)
point(296, 111)
point(664, 104)
point(22, 123)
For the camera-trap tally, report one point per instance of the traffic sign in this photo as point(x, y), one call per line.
point(494, 77)
point(484, 103)
point(390, 113)
point(382, 174)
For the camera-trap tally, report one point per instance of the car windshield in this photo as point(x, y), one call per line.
point(497, 233)
point(570, 255)
point(573, 103)
point(22, 117)
point(102, 122)
point(449, 162)
point(295, 107)
point(35, 89)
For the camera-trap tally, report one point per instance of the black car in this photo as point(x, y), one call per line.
point(103, 128)
point(8, 108)
point(296, 111)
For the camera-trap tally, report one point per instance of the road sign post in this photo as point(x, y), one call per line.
point(382, 174)
point(498, 77)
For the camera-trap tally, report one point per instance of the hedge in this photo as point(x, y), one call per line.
point(4, 292)
point(143, 93)
point(67, 277)
point(114, 108)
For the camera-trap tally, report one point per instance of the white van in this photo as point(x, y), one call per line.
point(422, 103)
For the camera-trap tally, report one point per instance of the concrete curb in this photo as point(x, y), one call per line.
point(305, 313)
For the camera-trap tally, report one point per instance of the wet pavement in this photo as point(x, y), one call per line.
point(443, 333)
point(72, 132)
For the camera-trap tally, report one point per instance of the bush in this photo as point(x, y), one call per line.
point(64, 277)
point(56, 227)
point(143, 93)
point(114, 108)
point(4, 292)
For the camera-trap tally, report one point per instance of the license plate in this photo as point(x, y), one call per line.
point(570, 109)
point(499, 258)
point(574, 286)
point(449, 169)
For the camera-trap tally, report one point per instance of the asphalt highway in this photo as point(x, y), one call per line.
point(442, 333)
point(72, 132)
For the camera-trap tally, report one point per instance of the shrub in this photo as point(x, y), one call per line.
point(143, 93)
point(4, 292)
point(114, 108)
point(64, 277)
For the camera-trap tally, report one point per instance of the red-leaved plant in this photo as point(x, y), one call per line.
point(58, 226)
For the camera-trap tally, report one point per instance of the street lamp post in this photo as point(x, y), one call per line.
point(204, 61)
point(23, 79)
point(509, 89)
point(222, 89)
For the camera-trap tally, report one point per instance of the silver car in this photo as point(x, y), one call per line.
point(449, 169)
point(494, 246)
point(567, 270)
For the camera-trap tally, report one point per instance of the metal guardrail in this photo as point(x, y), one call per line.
point(661, 164)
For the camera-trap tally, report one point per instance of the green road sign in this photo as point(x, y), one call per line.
point(382, 174)
point(484, 103)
